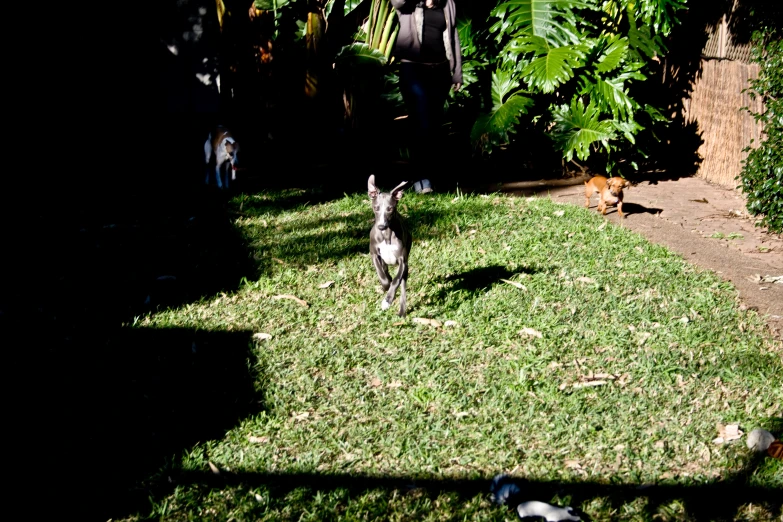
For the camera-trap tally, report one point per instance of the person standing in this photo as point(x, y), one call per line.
point(428, 49)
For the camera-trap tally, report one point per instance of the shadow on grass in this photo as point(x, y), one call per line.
point(718, 500)
point(98, 404)
point(117, 407)
point(479, 280)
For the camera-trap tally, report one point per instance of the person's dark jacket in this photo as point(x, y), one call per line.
point(411, 16)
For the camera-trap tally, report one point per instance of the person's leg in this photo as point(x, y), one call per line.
point(437, 82)
point(413, 88)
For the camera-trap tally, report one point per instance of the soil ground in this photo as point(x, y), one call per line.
point(707, 224)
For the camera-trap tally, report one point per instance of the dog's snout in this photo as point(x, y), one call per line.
point(382, 226)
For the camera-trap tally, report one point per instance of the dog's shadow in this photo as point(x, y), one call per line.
point(635, 208)
point(631, 208)
point(478, 280)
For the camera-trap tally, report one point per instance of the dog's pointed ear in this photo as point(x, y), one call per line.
point(372, 190)
point(398, 190)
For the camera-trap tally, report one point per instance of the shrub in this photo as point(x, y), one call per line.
point(762, 172)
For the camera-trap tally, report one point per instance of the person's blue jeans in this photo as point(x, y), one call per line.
point(424, 90)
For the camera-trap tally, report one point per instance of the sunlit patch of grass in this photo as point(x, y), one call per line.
point(611, 360)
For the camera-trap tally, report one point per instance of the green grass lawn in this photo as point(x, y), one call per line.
point(568, 352)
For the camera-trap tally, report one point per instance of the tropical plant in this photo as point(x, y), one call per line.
point(762, 172)
point(569, 67)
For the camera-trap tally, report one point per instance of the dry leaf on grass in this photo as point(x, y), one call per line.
point(727, 433)
point(450, 323)
point(529, 332)
point(643, 336)
point(705, 454)
point(515, 284)
point(300, 416)
point(326, 284)
point(258, 440)
point(602, 226)
point(591, 379)
point(588, 384)
point(559, 213)
point(214, 468)
point(375, 382)
point(394, 384)
point(587, 280)
point(262, 336)
point(429, 322)
point(293, 298)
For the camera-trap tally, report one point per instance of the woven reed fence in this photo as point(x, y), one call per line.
point(716, 104)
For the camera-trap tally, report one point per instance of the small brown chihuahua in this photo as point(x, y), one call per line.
point(610, 192)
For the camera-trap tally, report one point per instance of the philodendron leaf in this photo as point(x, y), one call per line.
point(609, 95)
point(577, 127)
point(612, 55)
point(640, 37)
point(629, 129)
point(507, 104)
point(554, 68)
point(550, 19)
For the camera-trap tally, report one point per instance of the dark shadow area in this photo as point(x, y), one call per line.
point(712, 501)
point(97, 405)
point(121, 402)
point(751, 15)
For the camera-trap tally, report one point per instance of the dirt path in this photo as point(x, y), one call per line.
point(705, 223)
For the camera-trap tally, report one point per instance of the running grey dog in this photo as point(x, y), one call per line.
point(390, 242)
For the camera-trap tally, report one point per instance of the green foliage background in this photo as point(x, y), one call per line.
point(762, 174)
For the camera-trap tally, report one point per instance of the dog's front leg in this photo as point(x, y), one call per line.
point(382, 270)
point(208, 156)
point(403, 284)
point(620, 209)
point(217, 175)
point(402, 268)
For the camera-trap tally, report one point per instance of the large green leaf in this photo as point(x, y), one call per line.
point(553, 68)
point(614, 53)
point(629, 129)
point(549, 19)
point(269, 5)
point(641, 38)
point(609, 95)
point(660, 14)
point(359, 55)
point(350, 5)
point(507, 105)
point(577, 127)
